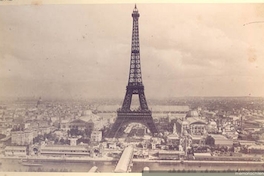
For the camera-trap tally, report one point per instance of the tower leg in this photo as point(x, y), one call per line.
point(127, 100)
point(142, 100)
point(115, 128)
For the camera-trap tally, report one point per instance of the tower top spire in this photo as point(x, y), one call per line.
point(135, 12)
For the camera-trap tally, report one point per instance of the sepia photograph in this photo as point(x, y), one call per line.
point(131, 87)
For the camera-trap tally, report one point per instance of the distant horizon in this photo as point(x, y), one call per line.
point(2, 98)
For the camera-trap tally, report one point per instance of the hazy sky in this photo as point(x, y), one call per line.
point(84, 50)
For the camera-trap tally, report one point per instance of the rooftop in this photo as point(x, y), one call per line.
point(15, 148)
point(196, 137)
point(202, 154)
point(173, 136)
point(192, 113)
point(218, 136)
point(221, 140)
point(64, 147)
point(170, 152)
point(195, 120)
point(259, 147)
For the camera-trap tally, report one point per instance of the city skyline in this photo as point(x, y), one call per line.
point(67, 51)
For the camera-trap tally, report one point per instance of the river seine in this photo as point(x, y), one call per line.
point(11, 165)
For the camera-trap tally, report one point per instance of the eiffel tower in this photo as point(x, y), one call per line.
point(135, 87)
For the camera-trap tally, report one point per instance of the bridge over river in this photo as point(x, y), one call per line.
point(125, 162)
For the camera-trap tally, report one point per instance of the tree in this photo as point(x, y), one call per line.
point(67, 142)
point(41, 137)
point(56, 141)
point(62, 141)
point(87, 132)
point(231, 149)
point(209, 140)
point(2, 136)
point(45, 135)
point(35, 140)
point(140, 145)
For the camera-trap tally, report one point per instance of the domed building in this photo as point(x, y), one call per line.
point(192, 113)
point(193, 126)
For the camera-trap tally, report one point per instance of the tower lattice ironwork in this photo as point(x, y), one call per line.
point(135, 87)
